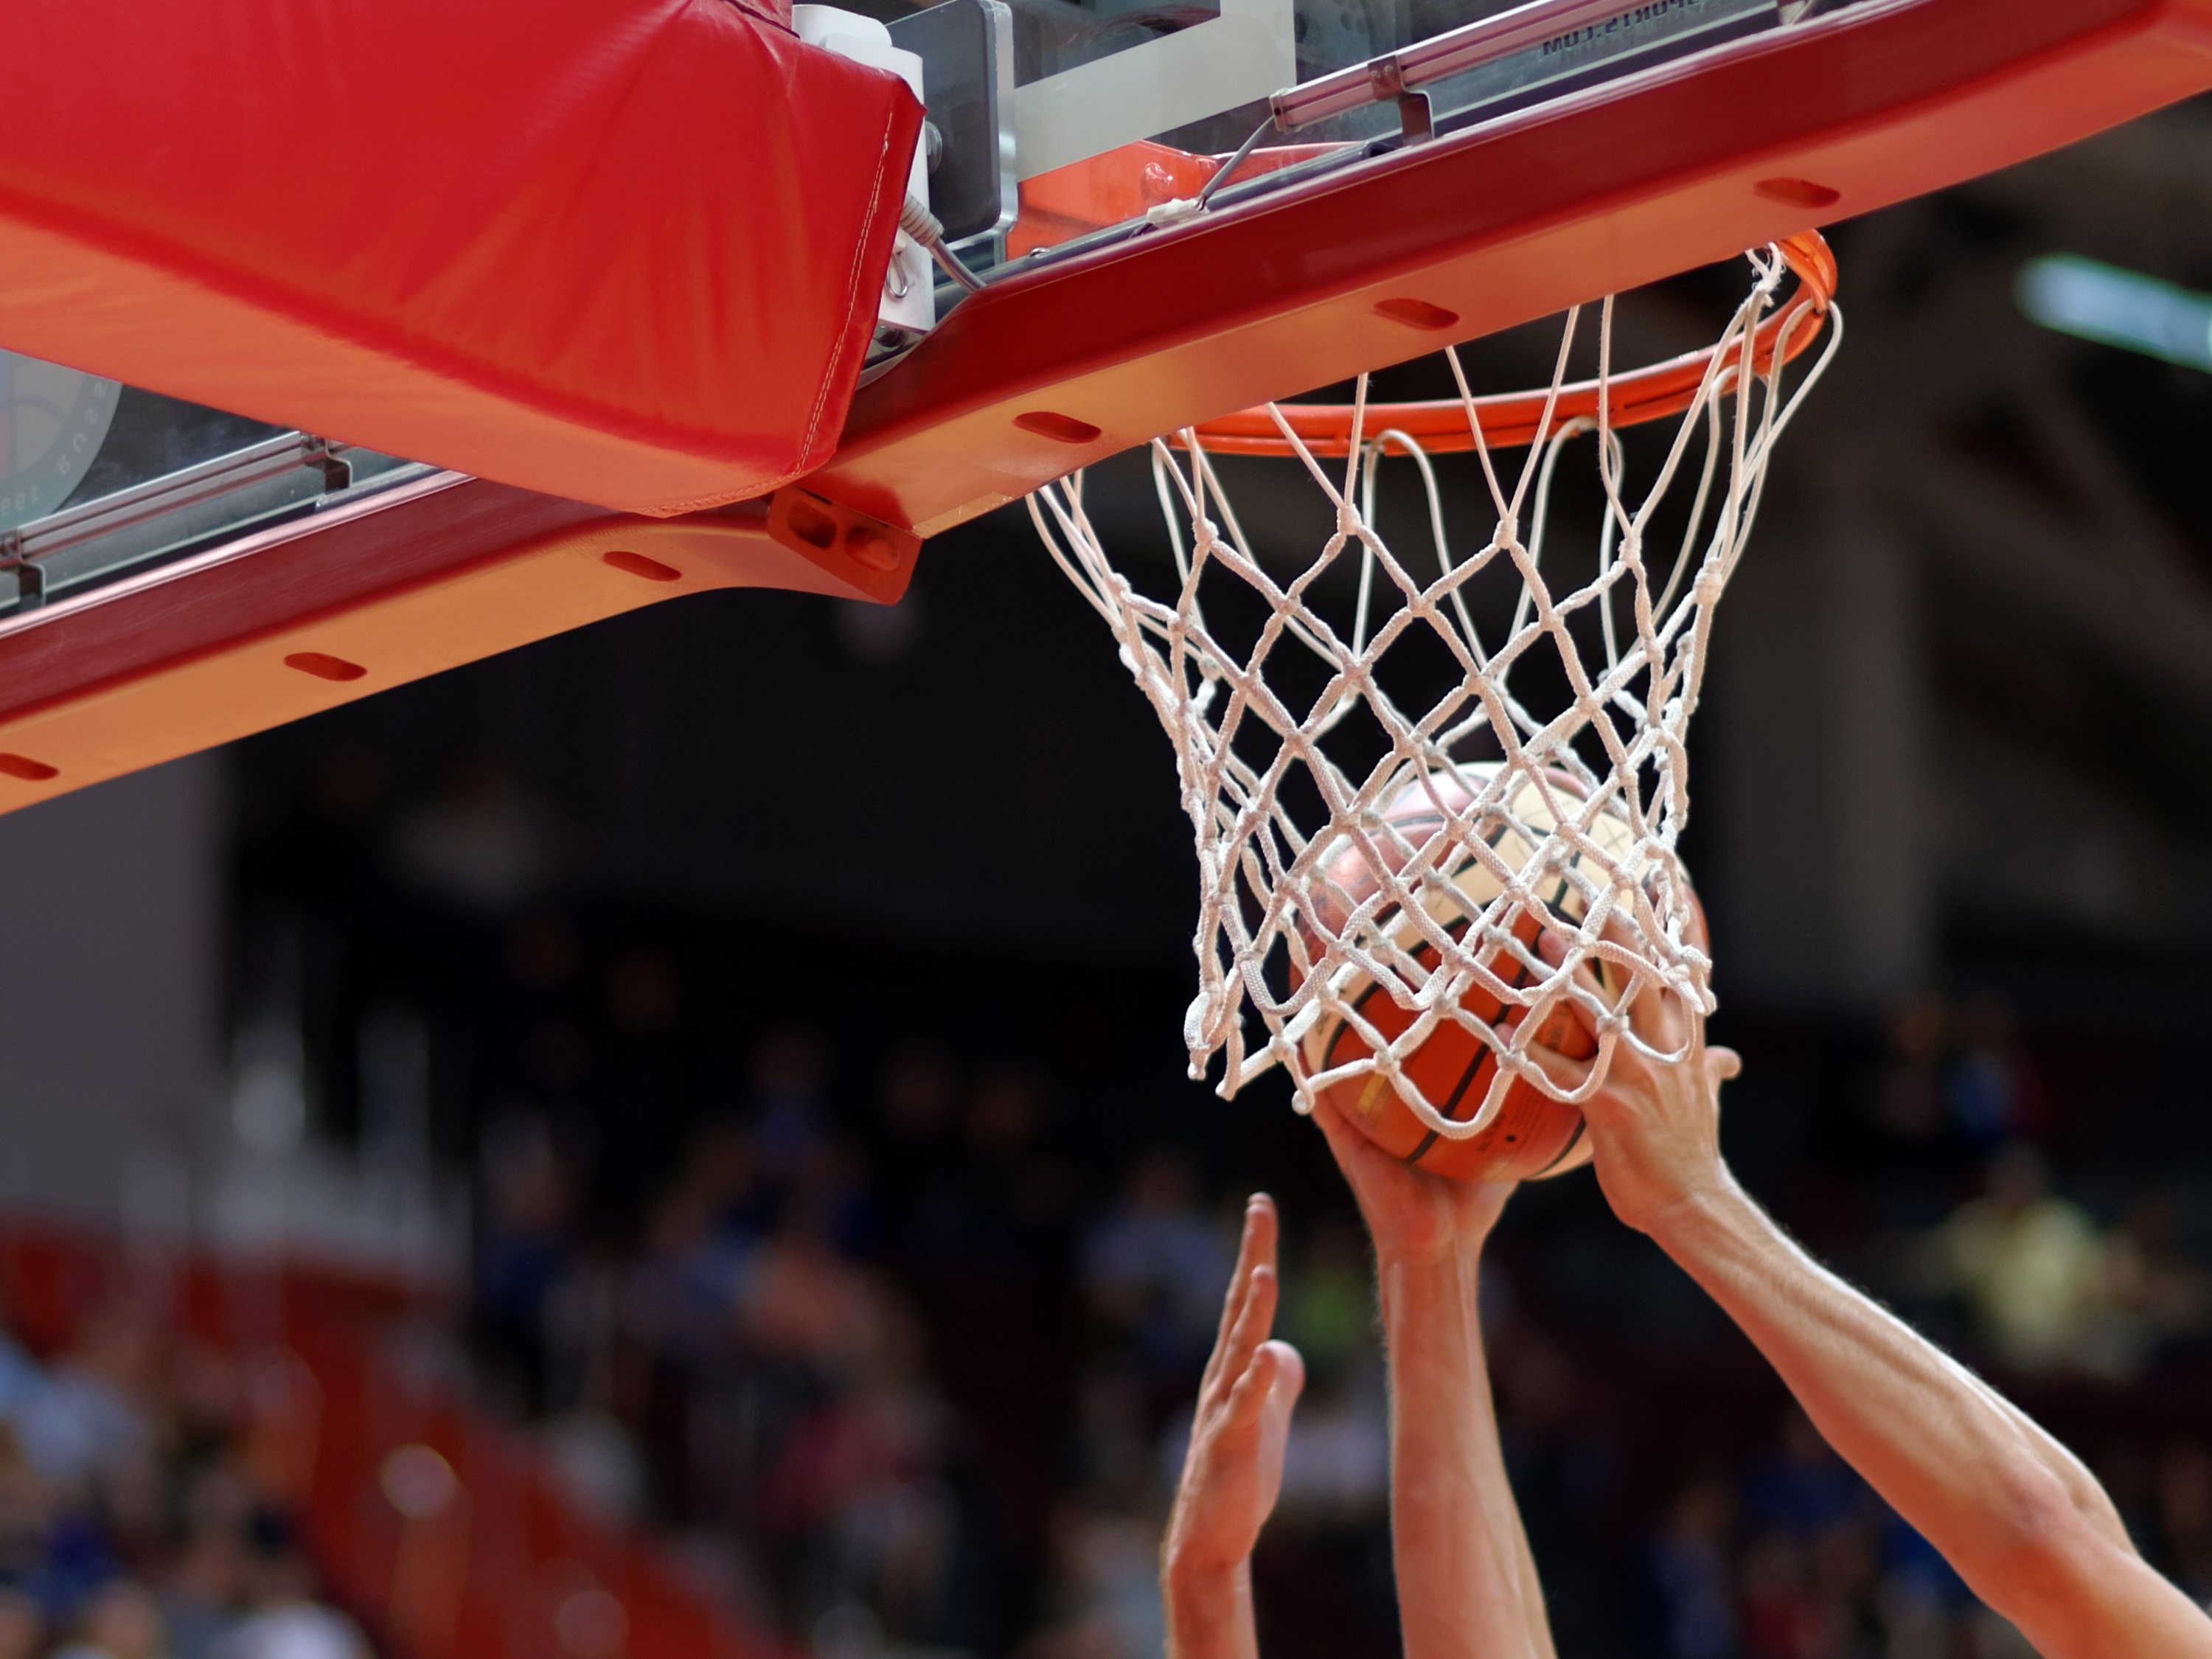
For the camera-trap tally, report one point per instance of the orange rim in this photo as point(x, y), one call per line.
point(1510, 420)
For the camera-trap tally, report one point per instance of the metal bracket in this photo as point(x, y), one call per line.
point(30, 580)
point(1415, 121)
point(322, 455)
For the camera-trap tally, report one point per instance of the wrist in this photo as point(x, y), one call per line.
point(1187, 1571)
point(1442, 1253)
point(1198, 1571)
point(1700, 1219)
point(1205, 1602)
point(1428, 1287)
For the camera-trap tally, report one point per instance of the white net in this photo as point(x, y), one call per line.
point(1397, 769)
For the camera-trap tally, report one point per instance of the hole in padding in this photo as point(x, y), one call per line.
point(637, 564)
point(1416, 314)
point(324, 666)
point(1798, 192)
point(1061, 428)
point(23, 767)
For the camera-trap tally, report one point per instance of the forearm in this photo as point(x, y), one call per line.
point(2011, 1509)
point(1467, 1585)
point(1209, 1612)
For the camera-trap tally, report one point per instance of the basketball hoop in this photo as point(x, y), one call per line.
point(1316, 700)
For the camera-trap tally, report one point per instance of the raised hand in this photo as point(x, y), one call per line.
point(1234, 1471)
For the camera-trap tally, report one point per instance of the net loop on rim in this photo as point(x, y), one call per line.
point(1398, 780)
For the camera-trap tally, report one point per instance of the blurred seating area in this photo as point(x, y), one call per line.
point(869, 1279)
point(151, 1487)
point(201, 1456)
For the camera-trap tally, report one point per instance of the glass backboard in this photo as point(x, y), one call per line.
point(1087, 114)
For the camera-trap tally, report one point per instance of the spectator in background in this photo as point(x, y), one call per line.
point(1329, 1307)
point(1909, 1105)
point(1156, 1265)
point(22, 1626)
point(206, 1581)
point(1802, 1488)
point(2182, 1546)
point(2166, 1298)
point(789, 1124)
point(1694, 1576)
point(1336, 1466)
point(917, 1109)
point(2034, 1270)
point(523, 1246)
point(1995, 1093)
point(283, 1620)
point(88, 1422)
point(122, 1621)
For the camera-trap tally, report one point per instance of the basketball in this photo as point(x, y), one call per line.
point(1532, 1136)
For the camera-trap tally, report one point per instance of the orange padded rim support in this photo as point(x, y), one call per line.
point(448, 570)
point(1511, 420)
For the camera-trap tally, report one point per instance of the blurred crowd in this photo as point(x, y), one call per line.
point(917, 1381)
point(143, 1501)
point(1953, 1150)
point(892, 1380)
point(877, 1279)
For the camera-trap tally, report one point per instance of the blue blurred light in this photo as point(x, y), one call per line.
point(2118, 307)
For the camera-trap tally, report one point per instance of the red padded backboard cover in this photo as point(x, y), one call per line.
point(624, 250)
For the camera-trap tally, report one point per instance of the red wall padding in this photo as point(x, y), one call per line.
point(626, 250)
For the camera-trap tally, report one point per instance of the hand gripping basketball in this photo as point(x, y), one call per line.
point(1654, 1126)
point(1532, 1135)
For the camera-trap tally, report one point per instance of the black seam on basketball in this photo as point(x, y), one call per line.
point(1422, 1150)
point(1483, 1055)
point(1344, 1026)
point(1573, 1141)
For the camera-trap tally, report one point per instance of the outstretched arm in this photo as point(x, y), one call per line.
point(1467, 1585)
point(2026, 1525)
point(1234, 1470)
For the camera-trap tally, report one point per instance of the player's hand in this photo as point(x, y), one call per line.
point(1234, 1471)
point(1655, 1128)
point(1414, 1218)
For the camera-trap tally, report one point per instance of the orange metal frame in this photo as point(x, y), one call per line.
point(1053, 368)
point(1511, 420)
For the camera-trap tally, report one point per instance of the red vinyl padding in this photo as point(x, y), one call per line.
point(625, 250)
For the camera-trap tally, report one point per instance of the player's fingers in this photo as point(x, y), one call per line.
point(1563, 1072)
point(1345, 1142)
point(1257, 1244)
point(1356, 1157)
point(1252, 1323)
point(1361, 1160)
point(1553, 947)
point(1657, 1015)
point(1250, 1393)
point(1722, 1064)
point(1262, 1226)
point(1290, 1371)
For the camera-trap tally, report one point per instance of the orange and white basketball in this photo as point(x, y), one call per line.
point(1533, 1135)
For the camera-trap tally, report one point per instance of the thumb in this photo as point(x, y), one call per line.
point(1722, 1064)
